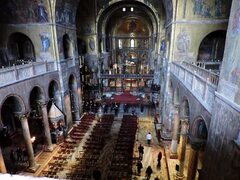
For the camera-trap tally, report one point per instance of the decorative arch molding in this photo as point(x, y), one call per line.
point(21, 105)
point(18, 97)
point(218, 34)
point(20, 47)
point(104, 14)
point(194, 125)
point(41, 90)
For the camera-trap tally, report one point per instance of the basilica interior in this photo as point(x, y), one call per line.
point(84, 85)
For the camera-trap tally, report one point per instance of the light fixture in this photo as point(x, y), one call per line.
point(124, 9)
point(132, 9)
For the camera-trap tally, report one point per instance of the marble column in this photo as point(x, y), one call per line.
point(49, 146)
point(75, 106)
point(2, 164)
point(182, 152)
point(80, 101)
point(74, 103)
point(27, 138)
point(193, 161)
point(174, 143)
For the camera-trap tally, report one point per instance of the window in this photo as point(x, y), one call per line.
point(120, 43)
point(124, 9)
point(132, 43)
point(132, 9)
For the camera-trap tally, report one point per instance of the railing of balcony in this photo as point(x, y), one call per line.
point(209, 65)
point(21, 72)
point(201, 82)
point(123, 76)
point(204, 73)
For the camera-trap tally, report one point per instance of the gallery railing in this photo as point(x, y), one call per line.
point(128, 76)
point(25, 71)
point(201, 82)
point(209, 65)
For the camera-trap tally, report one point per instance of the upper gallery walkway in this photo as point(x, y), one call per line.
point(198, 78)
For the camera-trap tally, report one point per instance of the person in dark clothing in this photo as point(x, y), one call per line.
point(159, 159)
point(19, 154)
point(141, 151)
point(96, 174)
point(139, 167)
point(148, 172)
point(25, 155)
point(12, 156)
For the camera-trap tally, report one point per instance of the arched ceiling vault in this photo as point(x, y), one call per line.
point(113, 14)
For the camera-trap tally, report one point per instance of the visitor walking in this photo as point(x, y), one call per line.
point(19, 154)
point(139, 167)
point(12, 156)
point(149, 138)
point(141, 151)
point(148, 172)
point(159, 159)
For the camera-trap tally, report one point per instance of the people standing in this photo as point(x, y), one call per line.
point(149, 138)
point(19, 154)
point(141, 151)
point(12, 156)
point(159, 159)
point(139, 167)
point(148, 172)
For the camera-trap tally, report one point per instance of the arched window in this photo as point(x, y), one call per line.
point(20, 50)
point(120, 43)
point(67, 47)
point(132, 45)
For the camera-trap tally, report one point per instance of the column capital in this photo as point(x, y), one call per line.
point(21, 116)
point(177, 106)
point(42, 102)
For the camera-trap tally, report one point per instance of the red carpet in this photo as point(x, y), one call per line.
point(126, 98)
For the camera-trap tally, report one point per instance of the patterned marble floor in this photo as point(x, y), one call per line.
point(146, 124)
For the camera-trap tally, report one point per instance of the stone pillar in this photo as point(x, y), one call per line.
point(195, 153)
point(182, 152)
point(174, 144)
point(75, 106)
point(192, 165)
point(2, 164)
point(47, 134)
point(80, 101)
point(27, 138)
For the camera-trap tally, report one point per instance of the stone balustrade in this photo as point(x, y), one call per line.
point(14, 74)
point(200, 82)
point(211, 66)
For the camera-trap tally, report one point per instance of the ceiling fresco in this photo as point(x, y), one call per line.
point(157, 4)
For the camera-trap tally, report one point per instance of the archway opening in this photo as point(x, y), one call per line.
point(198, 139)
point(67, 47)
point(11, 135)
point(35, 119)
point(210, 54)
point(54, 94)
point(20, 50)
point(212, 47)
